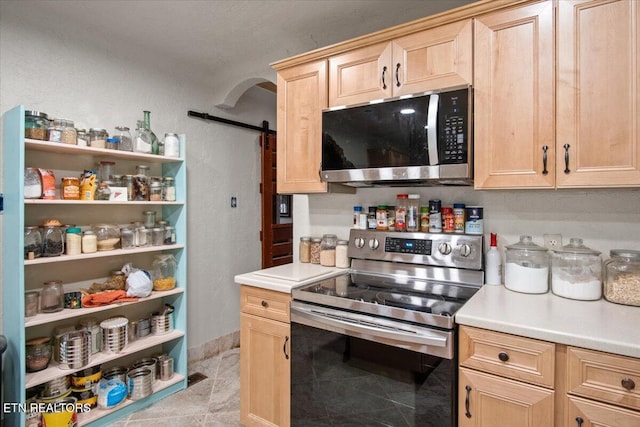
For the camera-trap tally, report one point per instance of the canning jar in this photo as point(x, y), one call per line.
point(103, 192)
point(155, 191)
point(89, 242)
point(32, 242)
point(112, 143)
point(108, 236)
point(342, 259)
point(314, 250)
point(622, 277)
point(171, 145)
point(38, 354)
point(169, 189)
point(31, 303)
point(36, 125)
point(105, 170)
point(576, 272)
point(55, 130)
point(163, 272)
point(125, 143)
point(52, 241)
point(305, 249)
point(73, 241)
point(527, 267)
point(69, 135)
point(70, 188)
point(82, 137)
point(52, 297)
point(98, 137)
point(328, 250)
point(413, 212)
point(157, 236)
point(127, 238)
point(149, 219)
point(32, 183)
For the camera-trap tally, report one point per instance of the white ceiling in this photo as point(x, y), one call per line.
point(219, 43)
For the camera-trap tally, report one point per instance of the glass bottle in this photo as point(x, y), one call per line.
point(146, 140)
point(124, 136)
point(155, 146)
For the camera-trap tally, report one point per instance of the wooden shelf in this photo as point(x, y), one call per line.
point(68, 313)
point(97, 413)
point(101, 254)
point(53, 371)
point(56, 147)
point(96, 202)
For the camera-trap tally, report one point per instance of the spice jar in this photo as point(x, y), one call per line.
point(125, 143)
point(163, 272)
point(98, 137)
point(32, 242)
point(32, 183)
point(89, 242)
point(527, 267)
point(36, 125)
point(169, 189)
point(314, 250)
point(448, 220)
point(70, 188)
point(413, 212)
point(342, 259)
point(103, 192)
point(38, 354)
point(391, 218)
point(328, 250)
point(622, 277)
point(305, 249)
point(401, 212)
point(112, 143)
point(576, 272)
point(52, 297)
point(424, 219)
point(52, 241)
point(73, 241)
point(381, 218)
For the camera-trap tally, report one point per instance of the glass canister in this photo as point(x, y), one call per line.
point(342, 259)
point(149, 219)
point(171, 145)
point(127, 238)
point(32, 183)
point(112, 143)
point(163, 272)
point(576, 271)
point(314, 250)
point(36, 124)
point(89, 242)
point(38, 353)
point(32, 242)
point(328, 250)
point(155, 191)
point(157, 236)
point(124, 138)
point(83, 137)
point(69, 135)
point(52, 241)
point(105, 170)
point(52, 297)
point(527, 267)
point(305, 249)
point(56, 126)
point(107, 236)
point(98, 137)
point(169, 189)
point(31, 303)
point(103, 192)
point(622, 277)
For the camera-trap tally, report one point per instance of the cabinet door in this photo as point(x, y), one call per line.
point(598, 93)
point(302, 94)
point(361, 75)
point(437, 58)
point(585, 413)
point(265, 371)
point(514, 98)
point(490, 401)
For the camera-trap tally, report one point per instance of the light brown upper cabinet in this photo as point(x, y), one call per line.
point(302, 94)
point(598, 97)
point(435, 58)
point(563, 115)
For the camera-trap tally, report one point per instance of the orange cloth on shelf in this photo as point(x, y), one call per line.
point(106, 298)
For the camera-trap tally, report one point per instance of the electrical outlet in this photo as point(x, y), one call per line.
point(552, 241)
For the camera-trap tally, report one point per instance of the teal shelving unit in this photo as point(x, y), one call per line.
point(19, 275)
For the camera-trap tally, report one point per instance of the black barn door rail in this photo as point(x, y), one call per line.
point(205, 116)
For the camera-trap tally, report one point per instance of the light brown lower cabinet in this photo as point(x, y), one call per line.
point(513, 381)
point(265, 371)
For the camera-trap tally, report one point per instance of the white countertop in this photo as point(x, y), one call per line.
point(288, 276)
point(598, 325)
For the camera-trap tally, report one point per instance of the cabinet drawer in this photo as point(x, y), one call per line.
point(603, 376)
point(510, 356)
point(265, 303)
point(598, 414)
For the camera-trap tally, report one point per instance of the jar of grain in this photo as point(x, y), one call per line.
point(73, 243)
point(305, 249)
point(98, 137)
point(124, 138)
point(55, 130)
point(69, 135)
point(36, 125)
point(89, 242)
point(155, 191)
point(342, 259)
point(328, 250)
point(622, 277)
point(314, 250)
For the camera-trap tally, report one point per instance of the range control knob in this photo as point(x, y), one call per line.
point(465, 250)
point(359, 242)
point(444, 248)
point(373, 244)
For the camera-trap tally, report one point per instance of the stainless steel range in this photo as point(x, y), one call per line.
point(392, 312)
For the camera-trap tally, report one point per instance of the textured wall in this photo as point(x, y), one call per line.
point(58, 72)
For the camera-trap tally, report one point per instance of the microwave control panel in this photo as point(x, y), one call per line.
point(454, 127)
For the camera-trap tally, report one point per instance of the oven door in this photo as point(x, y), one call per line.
point(352, 369)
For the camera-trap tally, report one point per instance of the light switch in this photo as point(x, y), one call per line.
point(234, 202)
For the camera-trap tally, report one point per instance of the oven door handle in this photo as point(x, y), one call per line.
point(356, 324)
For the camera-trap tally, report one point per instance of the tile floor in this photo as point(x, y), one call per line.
point(214, 401)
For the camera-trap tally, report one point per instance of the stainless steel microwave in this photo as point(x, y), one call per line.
point(424, 139)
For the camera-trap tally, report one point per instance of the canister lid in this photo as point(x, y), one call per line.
point(625, 253)
point(575, 246)
point(414, 196)
point(526, 244)
point(35, 113)
point(305, 238)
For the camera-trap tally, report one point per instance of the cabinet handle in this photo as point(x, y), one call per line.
point(579, 420)
point(384, 71)
point(466, 402)
point(544, 159)
point(503, 356)
point(628, 384)
point(398, 74)
point(566, 158)
point(284, 347)
point(264, 304)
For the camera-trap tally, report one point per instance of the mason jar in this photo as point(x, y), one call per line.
point(98, 137)
point(328, 250)
point(36, 124)
point(169, 189)
point(622, 277)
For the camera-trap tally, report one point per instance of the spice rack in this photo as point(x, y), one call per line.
point(19, 275)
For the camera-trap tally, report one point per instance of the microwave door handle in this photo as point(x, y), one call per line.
point(432, 129)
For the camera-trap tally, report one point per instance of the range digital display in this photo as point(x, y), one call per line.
point(407, 246)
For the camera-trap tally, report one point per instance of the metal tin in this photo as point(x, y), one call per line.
point(139, 382)
point(165, 363)
point(148, 363)
point(144, 327)
point(118, 372)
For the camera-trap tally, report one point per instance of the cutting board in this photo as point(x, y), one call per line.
point(296, 272)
